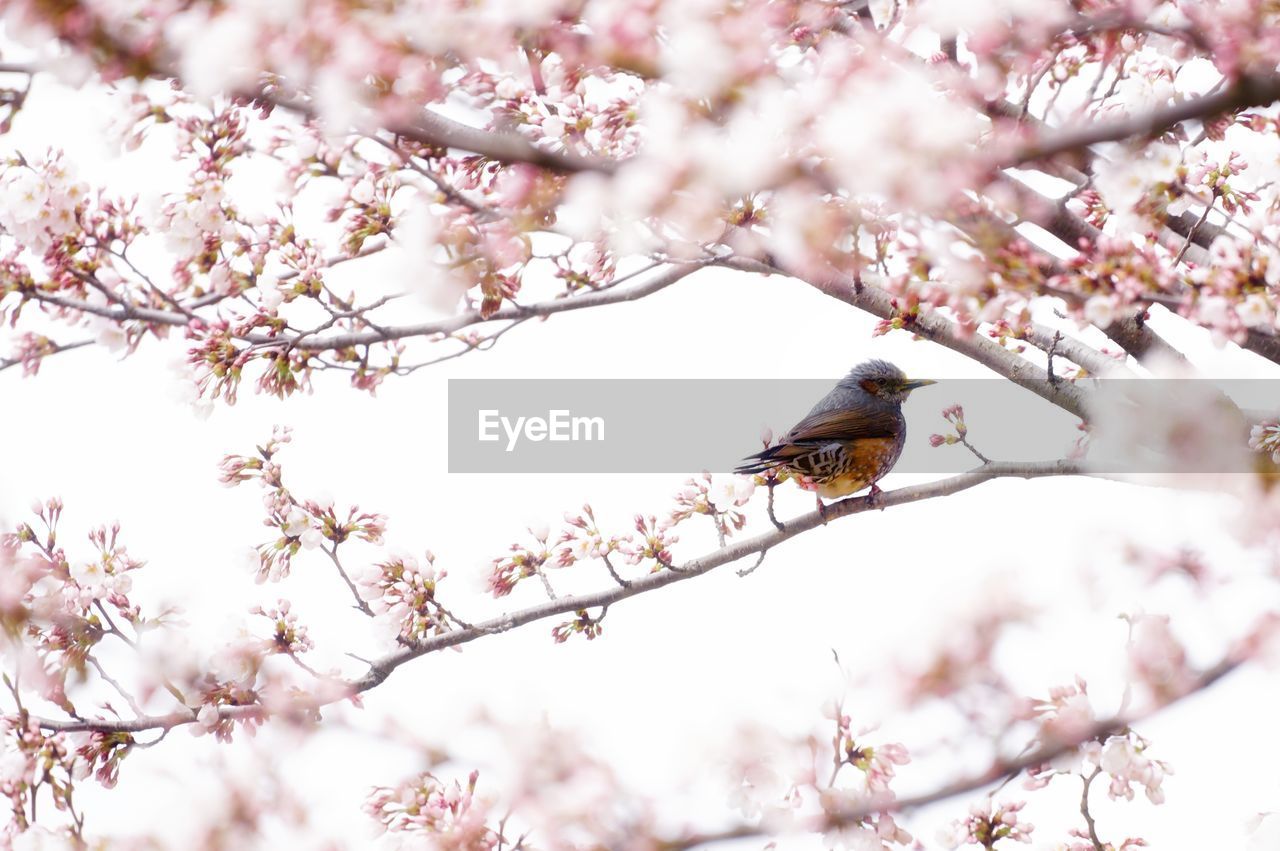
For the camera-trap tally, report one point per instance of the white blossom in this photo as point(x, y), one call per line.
point(362, 192)
point(1255, 311)
point(207, 718)
point(1100, 310)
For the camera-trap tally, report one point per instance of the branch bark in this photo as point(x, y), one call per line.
point(1248, 90)
point(596, 298)
point(307, 342)
point(382, 668)
point(934, 326)
point(58, 348)
point(998, 771)
point(432, 128)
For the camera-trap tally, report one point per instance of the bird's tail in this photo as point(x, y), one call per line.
point(760, 462)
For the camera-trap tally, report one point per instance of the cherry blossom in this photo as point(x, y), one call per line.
point(988, 824)
point(1057, 193)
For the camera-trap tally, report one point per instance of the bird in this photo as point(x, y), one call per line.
point(851, 438)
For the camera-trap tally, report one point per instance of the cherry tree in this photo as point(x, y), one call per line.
point(1056, 190)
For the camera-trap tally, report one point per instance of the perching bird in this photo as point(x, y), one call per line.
point(850, 439)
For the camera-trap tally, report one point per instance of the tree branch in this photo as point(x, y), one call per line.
point(306, 342)
point(5, 363)
point(1248, 90)
point(1084, 810)
point(382, 668)
point(934, 326)
point(1130, 334)
point(1000, 770)
point(1134, 337)
point(594, 298)
point(432, 128)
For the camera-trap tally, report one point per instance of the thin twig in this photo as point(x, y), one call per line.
point(616, 578)
point(747, 571)
point(964, 441)
point(546, 585)
point(771, 483)
point(332, 553)
point(1191, 234)
point(1084, 809)
point(97, 666)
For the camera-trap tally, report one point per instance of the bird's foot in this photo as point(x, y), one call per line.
point(873, 497)
point(822, 510)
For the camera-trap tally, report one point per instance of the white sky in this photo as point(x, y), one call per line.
point(661, 695)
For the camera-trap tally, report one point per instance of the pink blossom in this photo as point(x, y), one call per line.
point(1124, 759)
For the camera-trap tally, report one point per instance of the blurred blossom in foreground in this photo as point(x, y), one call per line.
point(1178, 430)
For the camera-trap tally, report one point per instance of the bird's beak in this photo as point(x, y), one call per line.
point(915, 385)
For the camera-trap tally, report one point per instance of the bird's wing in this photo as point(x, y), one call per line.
point(844, 425)
point(811, 433)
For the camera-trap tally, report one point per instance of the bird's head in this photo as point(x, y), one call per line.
point(883, 380)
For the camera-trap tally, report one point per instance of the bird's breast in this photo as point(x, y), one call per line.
point(861, 464)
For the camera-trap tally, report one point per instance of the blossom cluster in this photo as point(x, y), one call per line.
point(649, 541)
point(44, 201)
point(582, 540)
point(301, 524)
point(57, 605)
point(875, 767)
point(954, 415)
point(719, 498)
point(448, 815)
point(1124, 759)
point(33, 758)
point(1068, 716)
point(1265, 437)
point(288, 636)
point(523, 563)
point(401, 591)
point(987, 824)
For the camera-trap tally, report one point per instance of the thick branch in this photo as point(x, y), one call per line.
point(1075, 350)
point(1136, 338)
point(509, 311)
point(1000, 770)
point(435, 129)
point(1140, 341)
point(380, 669)
point(1249, 90)
point(432, 128)
point(1133, 336)
point(934, 326)
point(594, 298)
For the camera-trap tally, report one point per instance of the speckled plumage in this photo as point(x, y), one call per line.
point(851, 438)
